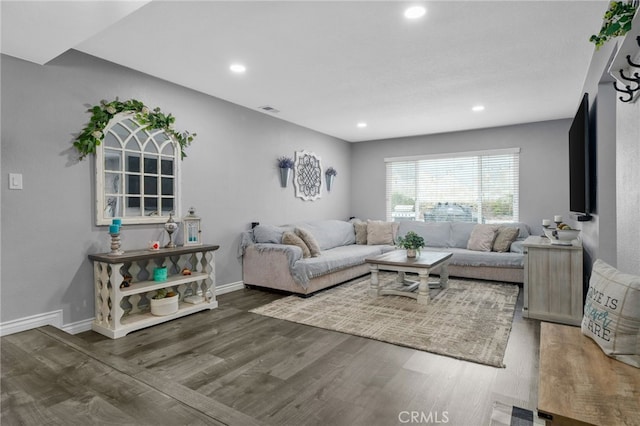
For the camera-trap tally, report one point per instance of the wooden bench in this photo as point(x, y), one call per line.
point(580, 385)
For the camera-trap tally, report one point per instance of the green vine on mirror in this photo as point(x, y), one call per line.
point(92, 135)
point(617, 21)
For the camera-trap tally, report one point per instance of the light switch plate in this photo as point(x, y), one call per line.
point(15, 180)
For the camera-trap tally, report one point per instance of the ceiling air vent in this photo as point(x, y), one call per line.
point(270, 109)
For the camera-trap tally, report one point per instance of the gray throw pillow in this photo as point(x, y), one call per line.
point(361, 232)
point(482, 237)
point(506, 236)
point(309, 240)
point(291, 239)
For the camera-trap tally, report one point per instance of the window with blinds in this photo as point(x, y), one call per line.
point(477, 187)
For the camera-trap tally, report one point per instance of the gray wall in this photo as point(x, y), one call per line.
point(230, 176)
point(544, 188)
point(628, 187)
point(599, 234)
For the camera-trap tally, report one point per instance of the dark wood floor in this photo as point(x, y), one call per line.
point(229, 366)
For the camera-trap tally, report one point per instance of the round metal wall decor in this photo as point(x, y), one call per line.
point(307, 175)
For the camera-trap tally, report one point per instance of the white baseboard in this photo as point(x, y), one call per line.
point(78, 327)
point(228, 288)
point(15, 326)
point(55, 318)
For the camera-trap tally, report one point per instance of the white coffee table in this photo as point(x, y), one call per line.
point(422, 265)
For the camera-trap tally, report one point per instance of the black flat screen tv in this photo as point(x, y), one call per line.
point(581, 189)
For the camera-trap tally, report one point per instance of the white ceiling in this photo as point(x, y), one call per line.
point(328, 65)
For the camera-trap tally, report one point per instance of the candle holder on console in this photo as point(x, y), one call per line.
point(557, 219)
point(170, 226)
point(114, 231)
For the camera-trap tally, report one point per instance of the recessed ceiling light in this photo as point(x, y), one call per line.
point(478, 108)
point(415, 12)
point(238, 68)
point(362, 124)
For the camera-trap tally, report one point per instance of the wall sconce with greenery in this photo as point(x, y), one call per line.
point(285, 164)
point(330, 174)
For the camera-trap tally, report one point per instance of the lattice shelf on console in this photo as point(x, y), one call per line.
point(144, 286)
point(147, 318)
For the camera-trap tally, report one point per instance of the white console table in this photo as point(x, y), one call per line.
point(122, 310)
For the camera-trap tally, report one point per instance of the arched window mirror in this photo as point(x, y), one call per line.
point(137, 173)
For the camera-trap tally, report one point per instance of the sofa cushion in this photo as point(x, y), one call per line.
point(523, 227)
point(612, 313)
point(379, 232)
point(335, 259)
point(460, 233)
point(506, 236)
point(290, 238)
point(482, 237)
point(309, 240)
point(464, 257)
point(517, 246)
point(435, 234)
point(269, 233)
point(330, 233)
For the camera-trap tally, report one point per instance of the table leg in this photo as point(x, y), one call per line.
point(374, 285)
point(423, 288)
point(444, 275)
point(400, 277)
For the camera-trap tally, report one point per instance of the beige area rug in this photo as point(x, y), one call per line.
point(468, 320)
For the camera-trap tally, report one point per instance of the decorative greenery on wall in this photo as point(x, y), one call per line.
point(617, 21)
point(92, 135)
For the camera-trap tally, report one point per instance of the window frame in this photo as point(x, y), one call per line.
point(102, 152)
point(452, 155)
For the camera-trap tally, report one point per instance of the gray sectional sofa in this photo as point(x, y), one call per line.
point(453, 237)
point(266, 262)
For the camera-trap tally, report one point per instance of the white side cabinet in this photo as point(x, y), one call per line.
point(553, 281)
point(121, 310)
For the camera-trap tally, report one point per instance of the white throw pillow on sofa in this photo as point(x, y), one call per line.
point(612, 313)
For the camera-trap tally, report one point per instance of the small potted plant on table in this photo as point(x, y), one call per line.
point(411, 242)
